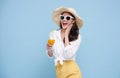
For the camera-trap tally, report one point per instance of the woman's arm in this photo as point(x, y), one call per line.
point(49, 46)
point(67, 31)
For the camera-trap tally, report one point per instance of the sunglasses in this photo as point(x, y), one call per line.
point(66, 17)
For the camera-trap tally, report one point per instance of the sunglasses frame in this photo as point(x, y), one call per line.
point(65, 17)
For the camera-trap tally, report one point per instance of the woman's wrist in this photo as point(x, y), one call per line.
point(66, 41)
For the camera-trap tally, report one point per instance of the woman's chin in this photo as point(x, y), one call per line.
point(64, 27)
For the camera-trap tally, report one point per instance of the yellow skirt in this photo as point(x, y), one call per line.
point(69, 69)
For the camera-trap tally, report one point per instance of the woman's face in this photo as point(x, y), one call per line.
point(66, 19)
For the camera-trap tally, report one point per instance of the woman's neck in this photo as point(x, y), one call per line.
point(63, 30)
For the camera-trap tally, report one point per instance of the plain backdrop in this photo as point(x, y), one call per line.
point(25, 26)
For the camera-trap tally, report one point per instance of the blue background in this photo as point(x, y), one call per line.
point(24, 30)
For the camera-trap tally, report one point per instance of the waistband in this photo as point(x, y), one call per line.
point(64, 61)
point(61, 60)
point(68, 60)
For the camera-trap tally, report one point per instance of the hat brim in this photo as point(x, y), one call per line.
point(58, 11)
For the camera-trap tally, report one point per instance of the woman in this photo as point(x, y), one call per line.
point(67, 41)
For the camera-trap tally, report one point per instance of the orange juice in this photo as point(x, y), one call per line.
point(51, 41)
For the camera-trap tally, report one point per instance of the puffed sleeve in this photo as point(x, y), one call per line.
point(71, 49)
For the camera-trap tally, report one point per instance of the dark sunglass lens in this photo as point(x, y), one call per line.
point(68, 18)
point(62, 17)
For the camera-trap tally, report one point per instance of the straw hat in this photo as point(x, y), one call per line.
point(58, 11)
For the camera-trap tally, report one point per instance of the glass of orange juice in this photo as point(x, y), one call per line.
point(51, 41)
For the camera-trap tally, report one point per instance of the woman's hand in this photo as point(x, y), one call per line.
point(67, 31)
point(49, 48)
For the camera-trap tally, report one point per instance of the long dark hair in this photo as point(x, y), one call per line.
point(74, 32)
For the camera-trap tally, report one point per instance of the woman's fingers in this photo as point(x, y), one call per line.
point(67, 31)
point(50, 54)
point(49, 46)
point(49, 50)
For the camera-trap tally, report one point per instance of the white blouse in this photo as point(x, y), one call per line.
point(60, 52)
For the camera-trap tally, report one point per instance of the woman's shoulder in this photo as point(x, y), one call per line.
point(79, 36)
point(55, 31)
